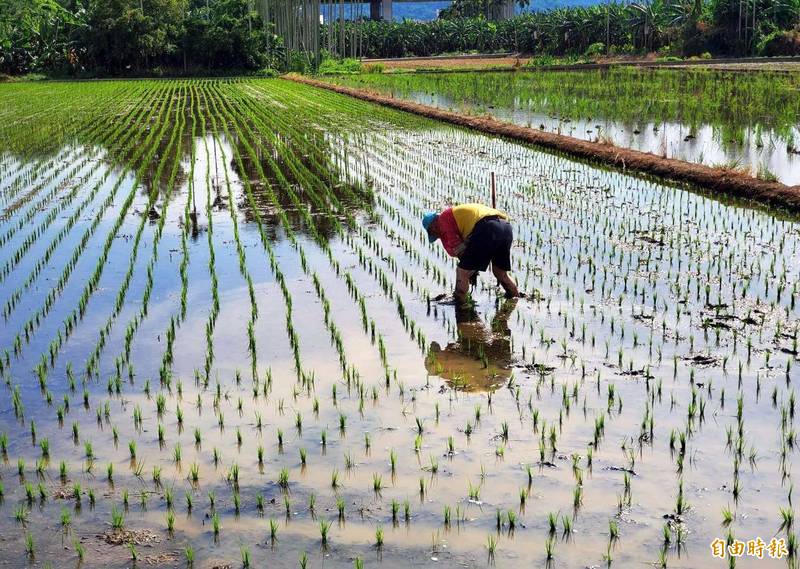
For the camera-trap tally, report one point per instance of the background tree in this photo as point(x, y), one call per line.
point(33, 33)
point(227, 34)
point(744, 23)
point(124, 35)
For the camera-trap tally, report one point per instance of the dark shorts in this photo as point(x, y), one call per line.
point(489, 242)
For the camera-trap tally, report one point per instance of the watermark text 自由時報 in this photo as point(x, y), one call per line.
point(758, 548)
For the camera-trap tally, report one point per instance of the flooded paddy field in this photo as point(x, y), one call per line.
point(227, 342)
point(721, 118)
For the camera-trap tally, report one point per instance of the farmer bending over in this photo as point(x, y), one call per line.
point(477, 235)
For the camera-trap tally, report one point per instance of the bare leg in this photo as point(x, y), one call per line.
point(505, 281)
point(462, 284)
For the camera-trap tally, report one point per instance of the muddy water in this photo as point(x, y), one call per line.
point(645, 287)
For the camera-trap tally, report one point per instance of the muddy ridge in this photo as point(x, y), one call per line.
point(727, 181)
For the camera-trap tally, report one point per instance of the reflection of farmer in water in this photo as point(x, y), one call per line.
point(480, 358)
point(477, 235)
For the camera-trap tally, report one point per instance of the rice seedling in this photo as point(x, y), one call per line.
point(324, 528)
point(30, 546)
point(727, 516)
point(577, 496)
point(511, 517)
point(681, 505)
point(566, 524)
point(549, 548)
point(787, 517)
point(273, 530)
point(283, 478)
point(491, 545)
point(552, 521)
point(662, 558)
point(117, 519)
point(66, 518)
point(608, 556)
point(21, 514)
point(194, 472)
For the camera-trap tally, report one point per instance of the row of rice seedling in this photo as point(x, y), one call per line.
point(701, 405)
point(310, 184)
point(38, 123)
point(365, 259)
point(621, 93)
point(330, 324)
point(615, 106)
point(375, 421)
point(47, 115)
point(71, 321)
point(165, 160)
point(114, 136)
point(78, 312)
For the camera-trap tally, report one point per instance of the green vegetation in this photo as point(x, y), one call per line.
point(747, 119)
point(729, 101)
point(134, 37)
point(80, 37)
point(669, 28)
point(255, 319)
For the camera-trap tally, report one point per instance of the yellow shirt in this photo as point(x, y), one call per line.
point(468, 214)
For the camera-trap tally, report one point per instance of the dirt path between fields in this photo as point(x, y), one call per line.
point(725, 181)
point(455, 63)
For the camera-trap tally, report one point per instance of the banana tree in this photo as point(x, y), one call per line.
point(647, 19)
point(30, 31)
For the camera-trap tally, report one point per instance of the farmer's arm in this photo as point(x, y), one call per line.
point(453, 244)
point(449, 234)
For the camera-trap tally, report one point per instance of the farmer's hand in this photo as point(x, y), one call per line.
point(460, 249)
point(519, 294)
